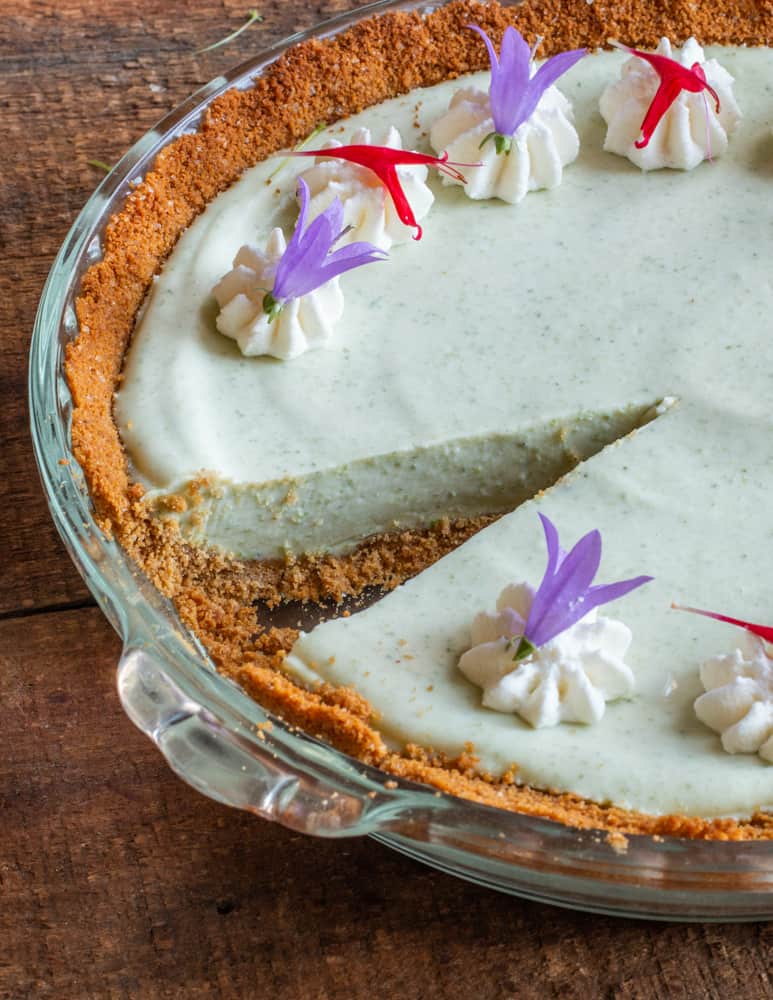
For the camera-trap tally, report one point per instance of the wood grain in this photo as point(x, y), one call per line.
point(119, 881)
point(81, 81)
point(116, 880)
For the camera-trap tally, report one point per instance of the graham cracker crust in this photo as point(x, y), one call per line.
point(325, 80)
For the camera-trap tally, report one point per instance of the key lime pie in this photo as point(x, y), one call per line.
point(494, 343)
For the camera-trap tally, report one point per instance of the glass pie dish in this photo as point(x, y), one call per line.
point(220, 741)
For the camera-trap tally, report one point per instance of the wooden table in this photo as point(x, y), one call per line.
point(117, 880)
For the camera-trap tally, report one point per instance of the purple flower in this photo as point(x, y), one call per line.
point(514, 94)
point(309, 260)
point(566, 594)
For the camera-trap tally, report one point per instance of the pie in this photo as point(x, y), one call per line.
point(599, 353)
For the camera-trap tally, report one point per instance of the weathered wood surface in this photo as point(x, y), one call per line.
point(83, 80)
point(119, 881)
point(116, 880)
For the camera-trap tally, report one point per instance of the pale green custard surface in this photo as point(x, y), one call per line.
point(461, 369)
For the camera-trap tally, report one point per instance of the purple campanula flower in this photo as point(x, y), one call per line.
point(514, 93)
point(309, 260)
point(566, 593)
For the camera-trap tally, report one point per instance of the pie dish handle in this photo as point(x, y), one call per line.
point(234, 761)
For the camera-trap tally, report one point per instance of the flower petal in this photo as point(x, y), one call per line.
point(307, 262)
point(314, 245)
point(545, 77)
point(351, 256)
point(674, 78)
point(383, 161)
point(400, 200)
point(514, 94)
point(763, 631)
point(604, 593)
point(666, 94)
point(556, 555)
point(562, 602)
point(295, 272)
point(580, 566)
point(565, 594)
point(492, 53)
point(509, 83)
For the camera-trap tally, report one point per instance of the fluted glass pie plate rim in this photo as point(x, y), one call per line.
point(225, 745)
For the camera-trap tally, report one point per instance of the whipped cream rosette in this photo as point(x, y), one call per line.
point(369, 211)
point(305, 322)
point(521, 131)
point(540, 150)
point(738, 699)
point(670, 108)
point(546, 654)
point(568, 679)
point(286, 299)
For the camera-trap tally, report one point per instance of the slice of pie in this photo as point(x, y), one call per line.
point(598, 352)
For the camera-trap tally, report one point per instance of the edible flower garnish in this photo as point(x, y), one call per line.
point(514, 93)
point(566, 594)
point(309, 260)
point(764, 632)
point(674, 78)
point(384, 161)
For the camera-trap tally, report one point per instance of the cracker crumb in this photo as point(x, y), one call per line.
point(173, 503)
point(617, 841)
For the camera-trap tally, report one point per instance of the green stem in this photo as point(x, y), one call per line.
point(525, 648)
point(271, 307)
point(254, 16)
point(502, 143)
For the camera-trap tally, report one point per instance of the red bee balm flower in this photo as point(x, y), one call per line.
point(384, 161)
point(674, 78)
point(764, 632)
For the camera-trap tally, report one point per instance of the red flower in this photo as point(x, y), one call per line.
point(762, 631)
point(674, 78)
point(384, 161)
